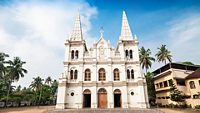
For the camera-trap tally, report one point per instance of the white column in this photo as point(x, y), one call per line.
point(124, 97)
point(110, 97)
point(94, 97)
point(61, 96)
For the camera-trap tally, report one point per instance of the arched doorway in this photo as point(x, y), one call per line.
point(87, 99)
point(102, 98)
point(117, 98)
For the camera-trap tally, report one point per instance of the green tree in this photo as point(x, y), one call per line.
point(18, 88)
point(48, 80)
point(46, 94)
point(163, 54)
point(2, 64)
point(187, 63)
point(36, 85)
point(145, 58)
point(14, 71)
point(150, 88)
point(54, 88)
point(175, 94)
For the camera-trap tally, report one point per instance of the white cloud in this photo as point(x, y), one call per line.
point(36, 31)
point(184, 38)
point(181, 35)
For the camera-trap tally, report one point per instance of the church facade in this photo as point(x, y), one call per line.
point(102, 76)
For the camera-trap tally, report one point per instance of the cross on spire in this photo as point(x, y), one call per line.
point(101, 32)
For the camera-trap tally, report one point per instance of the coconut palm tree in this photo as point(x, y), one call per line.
point(36, 85)
point(2, 62)
point(163, 54)
point(145, 58)
point(14, 71)
point(48, 80)
point(3, 81)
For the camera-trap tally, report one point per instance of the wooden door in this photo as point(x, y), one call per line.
point(102, 100)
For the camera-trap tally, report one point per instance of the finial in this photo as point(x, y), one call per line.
point(109, 42)
point(101, 32)
point(135, 37)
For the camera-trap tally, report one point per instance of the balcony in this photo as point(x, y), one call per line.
point(162, 89)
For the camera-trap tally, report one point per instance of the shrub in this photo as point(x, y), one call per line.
point(197, 107)
point(171, 105)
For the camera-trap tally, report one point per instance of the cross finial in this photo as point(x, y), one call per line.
point(101, 31)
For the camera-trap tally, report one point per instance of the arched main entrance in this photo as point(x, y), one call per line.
point(102, 98)
point(117, 98)
point(87, 99)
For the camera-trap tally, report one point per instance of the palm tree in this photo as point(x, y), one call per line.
point(2, 62)
point(163, 54)
point(48, 80)
point(145, 58)
point(14, 71)
point(36, 85)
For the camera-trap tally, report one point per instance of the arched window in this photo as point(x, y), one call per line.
point(72, 54)
point(132, 74)
point(131, 54)
point(86, 91)
point(71, 74)
point(116, 75)
point(128, 74)
point(76, 54)
point(126, 52)
point(87, 75)
point(102, 74)
point(192, 85)
point(102, 90)
point(117, 91)
point(75, 74)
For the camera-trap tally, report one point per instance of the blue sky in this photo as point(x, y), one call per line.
point(35, 30)
point(145, 16)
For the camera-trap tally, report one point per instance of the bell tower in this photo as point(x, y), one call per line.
point(127, 43)
point(75, 45)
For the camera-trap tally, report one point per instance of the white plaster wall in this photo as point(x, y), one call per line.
point(76, 100)
point(64, 93)
point(61, 100)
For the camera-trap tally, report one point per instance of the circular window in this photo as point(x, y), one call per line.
point(72, 94)
point(132, 93)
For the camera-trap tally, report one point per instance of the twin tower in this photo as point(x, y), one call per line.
point(102, 76)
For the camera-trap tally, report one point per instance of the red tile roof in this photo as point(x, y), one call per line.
point(195, 74)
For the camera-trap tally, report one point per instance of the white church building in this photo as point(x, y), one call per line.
point(102, 76)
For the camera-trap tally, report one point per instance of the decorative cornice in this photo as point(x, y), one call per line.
point(100, 62)
point(102, 84)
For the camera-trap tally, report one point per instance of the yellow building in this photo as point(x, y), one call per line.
point(185, 77)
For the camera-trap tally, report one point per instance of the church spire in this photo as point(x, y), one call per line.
point(126, 33)
point(77, 30)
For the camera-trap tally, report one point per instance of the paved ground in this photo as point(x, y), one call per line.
point(51, 109)
point(167, 110)
point(33, 109)
point(104, 111)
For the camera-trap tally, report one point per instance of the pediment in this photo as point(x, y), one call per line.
point(102, 43)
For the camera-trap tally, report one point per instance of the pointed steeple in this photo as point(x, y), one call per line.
point(77, 31)
point(126, 33)
point(101, 32)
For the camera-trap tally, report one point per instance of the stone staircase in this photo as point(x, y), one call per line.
point(104, 111)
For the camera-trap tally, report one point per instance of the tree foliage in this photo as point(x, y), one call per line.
point(163, 54)
point(145, 58)
point(187, 63)
point(175, 94)
point(38, 92)
point(150, 88)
